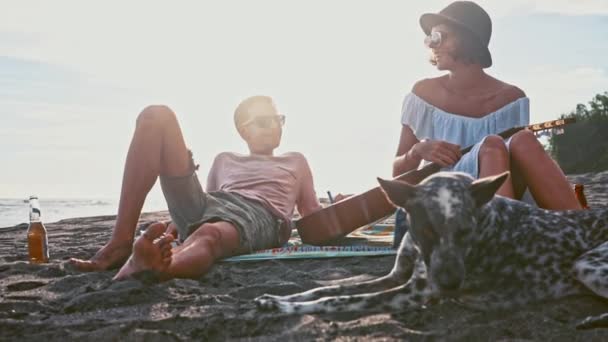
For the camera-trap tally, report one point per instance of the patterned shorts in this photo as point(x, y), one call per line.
point(190, 207)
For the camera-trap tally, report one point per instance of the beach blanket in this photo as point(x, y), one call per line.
point(370, 240)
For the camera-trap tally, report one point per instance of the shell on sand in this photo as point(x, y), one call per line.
point(53, 302)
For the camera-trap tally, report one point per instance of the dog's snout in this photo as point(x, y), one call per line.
point(447, 270)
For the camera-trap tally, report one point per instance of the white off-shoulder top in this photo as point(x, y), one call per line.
point(430, 122)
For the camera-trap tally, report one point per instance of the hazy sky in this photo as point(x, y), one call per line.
point(75, 74)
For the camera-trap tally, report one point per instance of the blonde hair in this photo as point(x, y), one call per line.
point(251, 107)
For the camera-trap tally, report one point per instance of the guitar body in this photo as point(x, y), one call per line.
point(341, 218)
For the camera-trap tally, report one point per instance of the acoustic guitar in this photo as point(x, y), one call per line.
point(337, 220)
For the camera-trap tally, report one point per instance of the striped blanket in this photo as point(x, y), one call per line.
point(371, 240)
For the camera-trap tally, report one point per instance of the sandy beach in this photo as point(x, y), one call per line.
point(54, 302)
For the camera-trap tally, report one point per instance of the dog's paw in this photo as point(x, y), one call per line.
point(593, 322)
point(271, 297)
point(267, 302)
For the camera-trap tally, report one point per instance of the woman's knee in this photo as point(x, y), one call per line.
point(493, 146)
point(156, 115)
point(525, 143)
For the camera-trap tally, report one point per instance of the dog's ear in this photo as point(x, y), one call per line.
point(397, 192)
point(483, 189)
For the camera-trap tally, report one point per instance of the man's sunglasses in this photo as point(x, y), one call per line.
point(268, 121)
point(434, 40)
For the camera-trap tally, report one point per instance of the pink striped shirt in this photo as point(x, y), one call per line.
point(279, 182)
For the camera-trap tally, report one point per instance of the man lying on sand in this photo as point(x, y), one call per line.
point(248, 204)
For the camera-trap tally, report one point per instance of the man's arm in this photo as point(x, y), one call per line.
point(307, 201)
point(212, 184)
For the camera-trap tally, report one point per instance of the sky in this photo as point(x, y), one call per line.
point(75, 74)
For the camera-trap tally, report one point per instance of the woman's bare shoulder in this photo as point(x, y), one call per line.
point(426, 88)
point(508, 91)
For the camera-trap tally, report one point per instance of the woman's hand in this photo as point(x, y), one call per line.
point(437, 151)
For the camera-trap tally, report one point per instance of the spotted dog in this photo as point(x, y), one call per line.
point(466, 244)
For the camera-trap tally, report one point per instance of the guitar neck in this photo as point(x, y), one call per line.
point(550, 124)
point(415, 176)
point(341, 218)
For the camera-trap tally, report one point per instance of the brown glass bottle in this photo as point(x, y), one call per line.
point(580, 195)
point(37, 242)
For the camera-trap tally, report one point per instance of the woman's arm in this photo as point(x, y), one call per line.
point(411, 151)
point(406, 159)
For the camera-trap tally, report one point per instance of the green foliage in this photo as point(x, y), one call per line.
point(584, 145)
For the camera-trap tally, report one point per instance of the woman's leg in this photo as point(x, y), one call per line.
point(544, 178)
point(157, 147)
point(194, 258)
point(494, 159)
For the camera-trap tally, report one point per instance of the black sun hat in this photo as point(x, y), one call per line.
point(467, 15)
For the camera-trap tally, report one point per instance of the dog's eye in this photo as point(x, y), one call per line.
point(422, 228)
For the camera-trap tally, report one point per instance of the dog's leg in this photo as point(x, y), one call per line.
point(548, 281)
point(382, 283)
point(401, 272)
point(396, 299)
point(504, 298)
point(591, 269)
point(415, 293)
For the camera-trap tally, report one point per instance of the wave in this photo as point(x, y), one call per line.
point(14, 210)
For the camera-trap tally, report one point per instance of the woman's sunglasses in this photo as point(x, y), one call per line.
point(434, 40)
point(268, 121)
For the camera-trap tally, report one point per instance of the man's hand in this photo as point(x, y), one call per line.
point(340, 197)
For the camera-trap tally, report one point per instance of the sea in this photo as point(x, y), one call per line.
point(14, 211)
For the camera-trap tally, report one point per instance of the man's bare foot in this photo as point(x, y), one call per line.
point(112, 255)
point(151, 251)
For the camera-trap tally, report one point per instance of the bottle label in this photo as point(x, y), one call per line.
point(34, 210)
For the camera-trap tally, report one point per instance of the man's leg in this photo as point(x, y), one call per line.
point(157, 147)
point(207, 244)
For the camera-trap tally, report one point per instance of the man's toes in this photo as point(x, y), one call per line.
point(154, 231)
point(84, 265)
point(75, 261)
point(166, 239)
point(165, 246)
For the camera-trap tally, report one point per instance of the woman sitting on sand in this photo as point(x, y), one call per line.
point(466, 106)
point(248, 204)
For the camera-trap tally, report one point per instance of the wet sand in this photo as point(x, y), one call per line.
point(54, 302)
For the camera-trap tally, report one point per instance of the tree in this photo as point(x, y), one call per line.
point(584, 145)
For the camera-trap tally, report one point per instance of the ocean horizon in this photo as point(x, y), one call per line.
point(14, 211)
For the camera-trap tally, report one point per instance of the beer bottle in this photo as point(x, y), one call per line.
point(580, 195)
point(37, 242)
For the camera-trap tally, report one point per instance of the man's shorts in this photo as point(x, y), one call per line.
point(190, 207)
